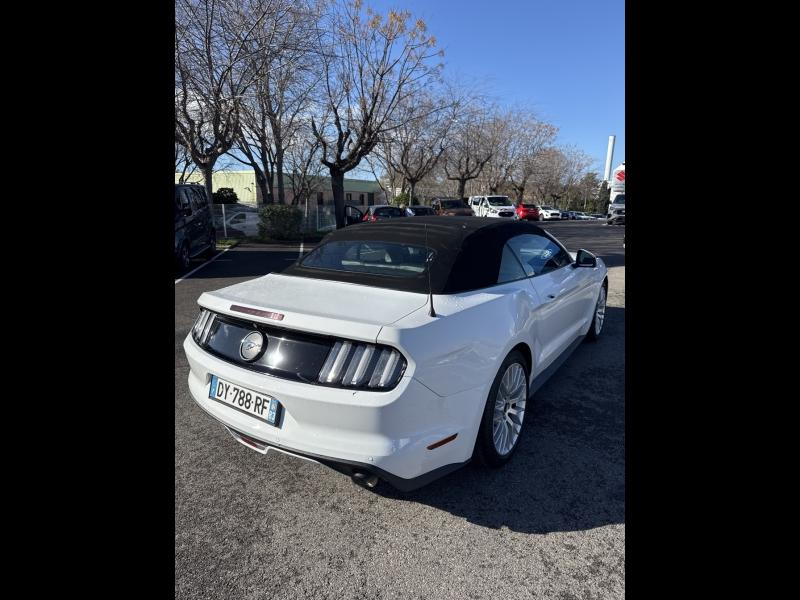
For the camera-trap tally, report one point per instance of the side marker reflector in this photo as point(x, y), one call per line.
point(443, 442)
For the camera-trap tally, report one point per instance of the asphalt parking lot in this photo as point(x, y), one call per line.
point(550, 524)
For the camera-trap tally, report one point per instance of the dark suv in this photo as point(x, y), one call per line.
point(194, 226)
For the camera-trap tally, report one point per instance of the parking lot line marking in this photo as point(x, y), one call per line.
point(208, 262)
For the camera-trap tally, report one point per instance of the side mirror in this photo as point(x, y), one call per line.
point(584, 258)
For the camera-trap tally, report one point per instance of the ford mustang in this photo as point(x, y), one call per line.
point(398, 350)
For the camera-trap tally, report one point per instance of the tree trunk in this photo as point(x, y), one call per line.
point(337, 184)
point(412, 186)
point(208, 170)
point(270, 188)
point(279, 168)
point(261, 182)
point(462, 183)
point(520, 194)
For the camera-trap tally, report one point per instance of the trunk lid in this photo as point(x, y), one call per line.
point(315, 305)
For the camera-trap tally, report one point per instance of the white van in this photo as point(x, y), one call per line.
point(492, 206)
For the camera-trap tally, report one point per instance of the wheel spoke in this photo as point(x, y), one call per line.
point(509, 408)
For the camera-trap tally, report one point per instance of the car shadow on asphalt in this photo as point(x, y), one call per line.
point(614, 260)
point(568, 473)
point(247, 260)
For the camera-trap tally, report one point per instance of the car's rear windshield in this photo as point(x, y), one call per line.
point(619, 199)
point(529, 205)
point(452, 204)
point(499, 201)
point(378, 258)
point(388, 211)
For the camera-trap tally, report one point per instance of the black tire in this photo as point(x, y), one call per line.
point(593, 335)
point(183, 257)
point(485, 452)
point(212, 248)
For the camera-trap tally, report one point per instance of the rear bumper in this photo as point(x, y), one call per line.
point(384, 433)
point(351, 467)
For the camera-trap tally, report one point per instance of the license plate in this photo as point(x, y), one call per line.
point(260, 406)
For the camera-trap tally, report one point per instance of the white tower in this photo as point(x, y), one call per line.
point(609, 157)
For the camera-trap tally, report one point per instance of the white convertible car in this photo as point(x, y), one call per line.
point(396, 350)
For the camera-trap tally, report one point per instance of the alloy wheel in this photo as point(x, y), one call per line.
point(509, 409)
point(600, 311)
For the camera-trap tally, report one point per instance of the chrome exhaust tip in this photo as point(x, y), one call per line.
point(365, 479)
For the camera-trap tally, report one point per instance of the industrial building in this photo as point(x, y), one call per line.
point(357, 191)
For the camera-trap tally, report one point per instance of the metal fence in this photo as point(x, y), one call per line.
point(241, 220)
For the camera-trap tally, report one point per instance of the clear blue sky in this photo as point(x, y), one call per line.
point(563, 58)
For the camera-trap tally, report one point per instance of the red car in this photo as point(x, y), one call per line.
point(380, 212)
point(529, 212)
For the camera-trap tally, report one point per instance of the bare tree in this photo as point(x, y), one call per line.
point(304, 168)
point(387, 175)
point(499, 131)
point(370, 64)
point(275, 105)
point(573, 168)
point(212, 73)
point(530, 137)
point(183, 163)
point(413, 148)
point(549, 168)
point(470, 147)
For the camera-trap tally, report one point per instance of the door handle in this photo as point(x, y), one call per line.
point(551, 296)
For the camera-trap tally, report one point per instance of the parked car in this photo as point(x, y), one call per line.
point(492, 206)
point(382, 211)
point(567, 215)
point(581, 216)
point(246, 222)
point(450, 207)
point(617, 217)
point(616, 203)
point(598, 216)
point(548, 212)
point(528, 212)
point(433, 336)
point(419, 211)
point(194, 226)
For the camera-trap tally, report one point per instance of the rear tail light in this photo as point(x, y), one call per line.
point(202, 327)
point(353, 364)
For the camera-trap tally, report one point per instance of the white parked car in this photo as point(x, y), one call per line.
point(548, 212)
point(492, 206)
point(246, 222)
point(582, 216)
point(396, 350)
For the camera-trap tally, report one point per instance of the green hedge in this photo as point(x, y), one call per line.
point(225, 196)
point(280, 222)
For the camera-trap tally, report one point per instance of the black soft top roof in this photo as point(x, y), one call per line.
point(468, 251)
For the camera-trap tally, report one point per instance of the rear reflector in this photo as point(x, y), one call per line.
point(443, 442)
point(248, 440)
point(258, 313)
